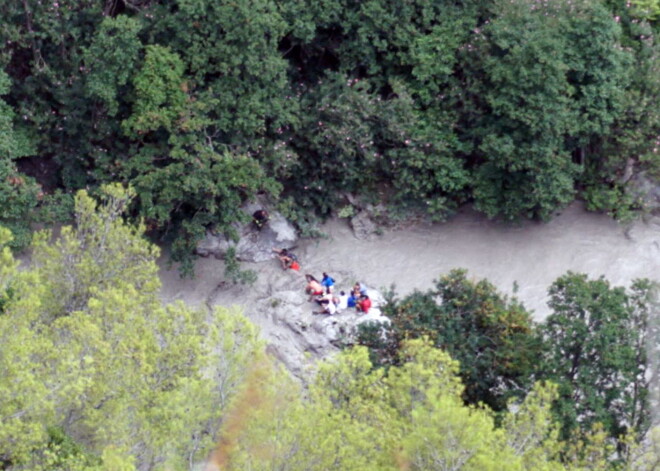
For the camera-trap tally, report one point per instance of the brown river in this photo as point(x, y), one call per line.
point(530, 255)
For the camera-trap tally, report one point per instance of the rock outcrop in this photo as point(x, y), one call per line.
point(301, 337)
point(294, 334)
point(647, 191)
point(253, 245)
point(364, 227)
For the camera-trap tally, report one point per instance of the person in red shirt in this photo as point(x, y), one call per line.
point(364, 304)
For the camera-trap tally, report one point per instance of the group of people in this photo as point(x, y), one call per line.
point(323, 293)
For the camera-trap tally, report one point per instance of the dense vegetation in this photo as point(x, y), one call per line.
point(198, 105)
point(595, 347)
point(516, 106)
point(96, 374)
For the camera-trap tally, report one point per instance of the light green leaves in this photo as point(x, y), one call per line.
point(88, 350)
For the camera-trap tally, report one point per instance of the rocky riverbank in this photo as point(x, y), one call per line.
point(524, 259)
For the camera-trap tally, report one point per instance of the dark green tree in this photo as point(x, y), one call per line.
point(18, 193)
point(230, 52)
point(630, 146)
point(414, 104)
point(490, 335)
point(594, 348)
point(183, 183)
point(348, 139)
point(109, 62)
point(399, 57)
point(43, 50)
point(544, 83)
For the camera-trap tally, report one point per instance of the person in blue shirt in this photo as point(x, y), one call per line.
point(352, 300)
point(328, 282)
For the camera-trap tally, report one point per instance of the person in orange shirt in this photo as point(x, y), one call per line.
point(287, 259)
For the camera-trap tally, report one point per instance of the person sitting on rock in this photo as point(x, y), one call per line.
point(328, 282)
point(313, 288)
point(328, 306)
point(342, 301)
point(287, 259)
point(359, 289)
point(326, 297)
point(364, 304)
point(260, 218)
point(352, 299)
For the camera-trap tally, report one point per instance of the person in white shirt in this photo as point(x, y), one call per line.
point(328, 305)
point(342, 301)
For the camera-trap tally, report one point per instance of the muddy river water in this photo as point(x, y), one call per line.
point(530, 255)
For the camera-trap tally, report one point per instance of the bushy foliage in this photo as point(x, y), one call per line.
point(18, 193)
point(595, 349)
point(95, 373)
point(358, 418)
point(597, 346)
point(491, 336)
point(410, 416)
point(540, 102)
point(421, 105)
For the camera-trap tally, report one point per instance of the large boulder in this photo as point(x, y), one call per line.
point(646, 190)
point(304, 337)
point(364, 228)
point(294, 333)
point(253, 245)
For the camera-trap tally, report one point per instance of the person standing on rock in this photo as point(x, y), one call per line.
point(328, 282)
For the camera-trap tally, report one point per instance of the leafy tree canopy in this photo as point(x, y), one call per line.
point(420, 105)
point(491, 336)
point(355, 417)
point(595, 349)
point(95, 373)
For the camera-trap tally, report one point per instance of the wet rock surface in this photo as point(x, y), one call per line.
point(647, 191)
point(364, 228)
